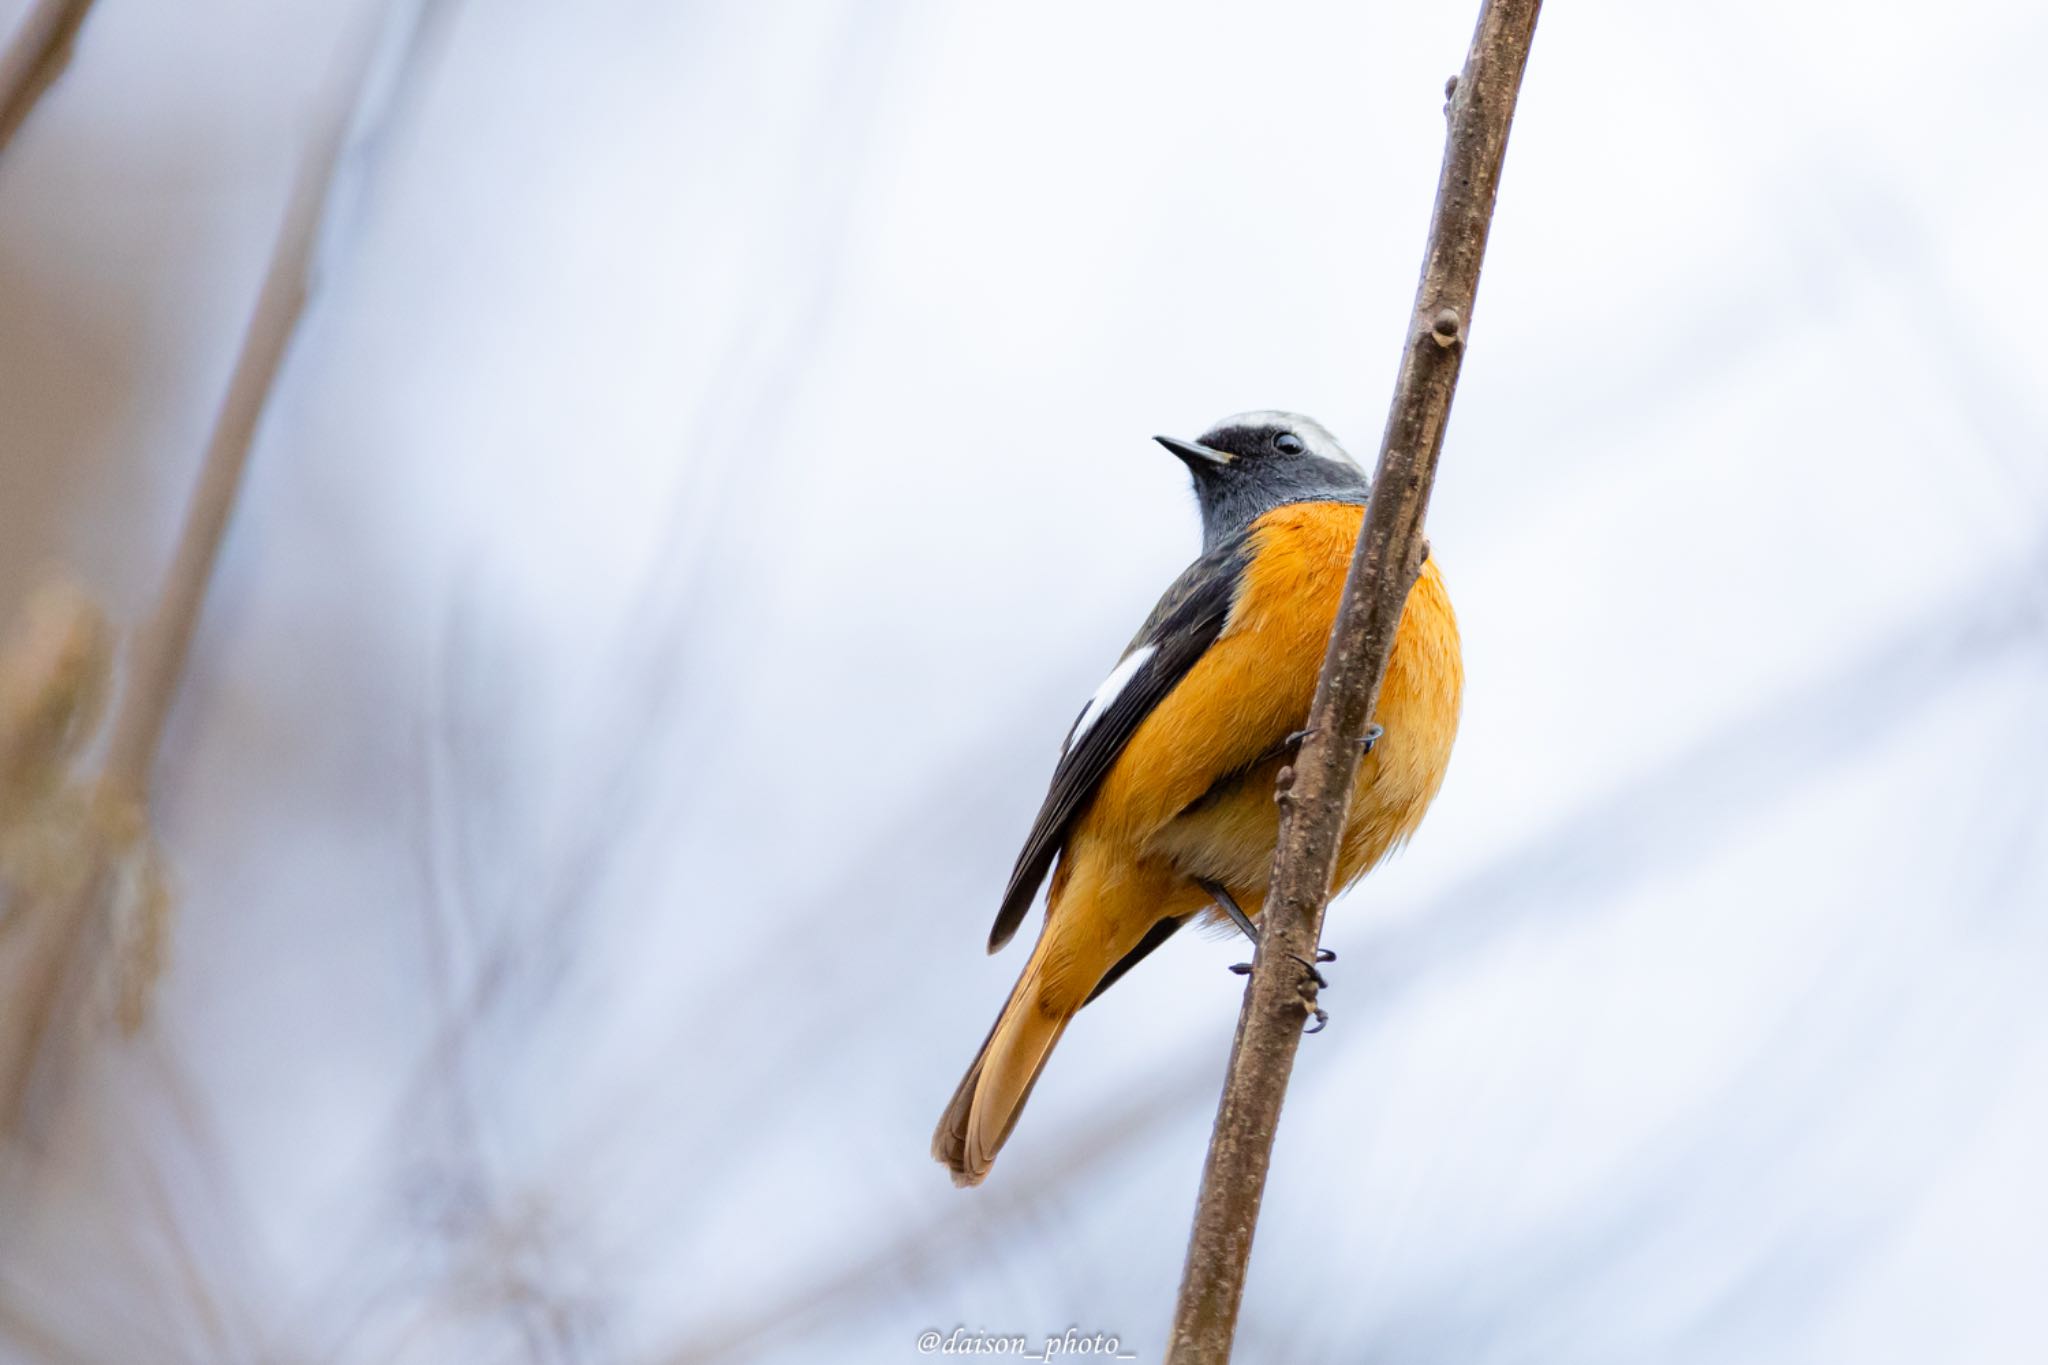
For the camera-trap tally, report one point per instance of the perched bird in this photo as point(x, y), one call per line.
point(1161, 806)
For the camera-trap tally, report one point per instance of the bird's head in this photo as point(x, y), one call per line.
point(1246, 465)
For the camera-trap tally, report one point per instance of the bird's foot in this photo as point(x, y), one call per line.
point(1322, 982)
point(1317, 1014)
point(1372, 736)
point(1244, 924)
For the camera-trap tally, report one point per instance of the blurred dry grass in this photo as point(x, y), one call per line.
point(84, 904)
point(86, 889)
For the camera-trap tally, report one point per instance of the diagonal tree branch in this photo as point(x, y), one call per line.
point(158, 659)
point(1315, 804)
point(38, 55)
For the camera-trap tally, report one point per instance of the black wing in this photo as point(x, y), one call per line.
point(1180, 630)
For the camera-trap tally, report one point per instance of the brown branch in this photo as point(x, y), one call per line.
point(37, 56)
point(1315, 805)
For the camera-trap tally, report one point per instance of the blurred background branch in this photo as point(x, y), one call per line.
point(106, 914)
point(156, 660)
point(36, 56)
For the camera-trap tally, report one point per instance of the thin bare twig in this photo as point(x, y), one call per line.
point(158, 657)
point(38, 55)
point(938, 1246)
point(1316, 804)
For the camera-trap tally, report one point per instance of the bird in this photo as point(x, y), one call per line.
point(1161, 806)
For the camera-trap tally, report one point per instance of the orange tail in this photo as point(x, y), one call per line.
point(984, 1109)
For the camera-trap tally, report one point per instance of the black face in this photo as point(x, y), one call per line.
point(1244, 470)
point(1251, 443)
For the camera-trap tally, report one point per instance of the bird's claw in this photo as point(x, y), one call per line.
point(1318, 1016)
point(1322, 983)
point(1373, 734)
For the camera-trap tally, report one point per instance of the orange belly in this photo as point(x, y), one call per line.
point(1191, 796)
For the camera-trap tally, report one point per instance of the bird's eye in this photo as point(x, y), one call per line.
point(1287, 443)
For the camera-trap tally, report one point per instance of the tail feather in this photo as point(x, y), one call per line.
point(991, 1095)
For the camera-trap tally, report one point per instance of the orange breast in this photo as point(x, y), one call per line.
point(1253, 688)
point(1191, 796)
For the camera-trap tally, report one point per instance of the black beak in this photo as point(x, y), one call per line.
point(1195, 455)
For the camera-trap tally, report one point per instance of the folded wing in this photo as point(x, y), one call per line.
point(1188, 619)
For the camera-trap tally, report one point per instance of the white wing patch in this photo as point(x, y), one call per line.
point(1118, 679)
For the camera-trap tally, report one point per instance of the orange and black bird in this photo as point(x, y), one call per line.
point(1161, 806)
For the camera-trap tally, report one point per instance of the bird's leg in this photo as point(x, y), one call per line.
point(1230, 907)
point(1228, 904)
